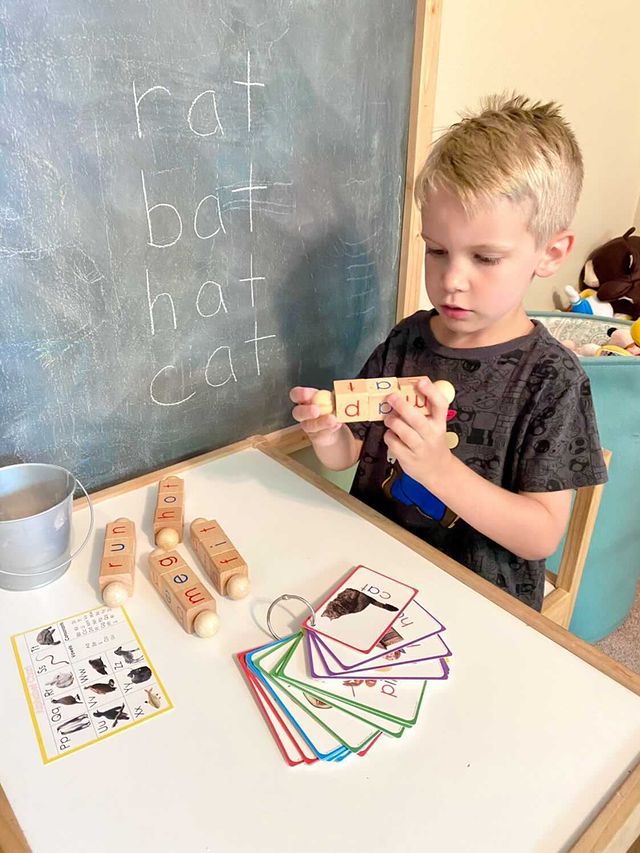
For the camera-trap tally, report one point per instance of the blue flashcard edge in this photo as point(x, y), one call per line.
point(338, 754)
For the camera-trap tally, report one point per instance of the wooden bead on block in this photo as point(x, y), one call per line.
point(169, 514)
point(206, 624)
point(237, 586)
point(167, 538)
point(446, 389)
point(115, 594)
point(117, 566)
point(324, 401)
point(191, 604)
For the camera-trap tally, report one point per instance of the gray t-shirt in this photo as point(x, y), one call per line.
point(525, 421)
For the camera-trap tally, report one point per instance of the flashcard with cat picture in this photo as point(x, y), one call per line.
point(86, 677)
point(359, 611)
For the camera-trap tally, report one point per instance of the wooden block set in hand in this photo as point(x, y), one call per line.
point(355, 400)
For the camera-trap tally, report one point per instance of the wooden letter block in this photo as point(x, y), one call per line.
point(169, 515)
point(161, 562)
point(224, 567)
point(219, 558)
point(207, 538)
point(352, 400)
point(411, 394)
point(123, 528)
point(117, 566)
point(191, 604)
point(379, 390)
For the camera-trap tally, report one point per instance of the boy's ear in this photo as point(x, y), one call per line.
point(555, 252)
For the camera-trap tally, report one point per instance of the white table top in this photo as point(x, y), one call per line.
point(517, 751)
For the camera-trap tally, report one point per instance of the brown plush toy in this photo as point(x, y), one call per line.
point(613, 271)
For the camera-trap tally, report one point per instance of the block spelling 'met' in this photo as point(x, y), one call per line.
point(189, 601)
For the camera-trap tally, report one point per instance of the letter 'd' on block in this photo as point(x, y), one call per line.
point(352, 400)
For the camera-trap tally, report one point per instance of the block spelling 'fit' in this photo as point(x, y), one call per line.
point(219, 558)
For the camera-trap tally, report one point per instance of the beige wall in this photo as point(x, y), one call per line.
point(582, 54)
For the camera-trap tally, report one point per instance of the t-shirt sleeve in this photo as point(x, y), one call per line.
point(561, 446)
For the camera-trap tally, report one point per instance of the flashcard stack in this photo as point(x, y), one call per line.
point(356, 671)
point(219, 558)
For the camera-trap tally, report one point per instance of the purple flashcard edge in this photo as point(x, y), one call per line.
point(346, 674)
point(442, 628)
point(309, 655)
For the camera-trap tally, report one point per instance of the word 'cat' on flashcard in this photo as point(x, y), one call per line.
point(360, 610)
point(86, 677)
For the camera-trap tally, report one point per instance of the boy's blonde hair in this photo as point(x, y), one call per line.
point(514, 149)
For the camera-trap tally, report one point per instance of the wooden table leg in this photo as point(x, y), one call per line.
point(11, 838)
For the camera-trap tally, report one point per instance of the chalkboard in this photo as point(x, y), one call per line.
point(200, 207)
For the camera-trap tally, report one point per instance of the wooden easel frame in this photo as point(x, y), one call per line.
point(423, 94)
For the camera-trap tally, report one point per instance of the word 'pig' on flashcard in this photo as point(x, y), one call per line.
point(361, 609)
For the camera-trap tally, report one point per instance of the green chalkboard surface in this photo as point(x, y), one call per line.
point(200, 206)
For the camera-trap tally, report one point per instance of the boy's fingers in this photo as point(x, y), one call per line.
point(415, 418)
point(326, 423)
point(311, 420)
point(305, 413)
point(300, 394)
point(436, 401)
point(402, 430)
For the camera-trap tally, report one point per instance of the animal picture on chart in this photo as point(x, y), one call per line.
point(130, 657)
point(98, 665)
point(102, 687)
point(46, 638)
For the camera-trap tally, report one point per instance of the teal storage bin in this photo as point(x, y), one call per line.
point(612, 569)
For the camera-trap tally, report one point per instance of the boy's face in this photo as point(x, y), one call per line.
point(478, 269)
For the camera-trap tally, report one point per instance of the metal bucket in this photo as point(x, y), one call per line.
point(35, 524)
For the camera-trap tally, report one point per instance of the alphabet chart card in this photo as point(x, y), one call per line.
point(86, 678)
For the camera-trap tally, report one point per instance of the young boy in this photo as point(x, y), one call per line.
point(497, 194)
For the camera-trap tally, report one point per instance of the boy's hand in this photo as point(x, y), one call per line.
point(417, 440)
point(321, 429)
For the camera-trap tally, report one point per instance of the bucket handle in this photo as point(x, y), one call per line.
point(75, 553)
